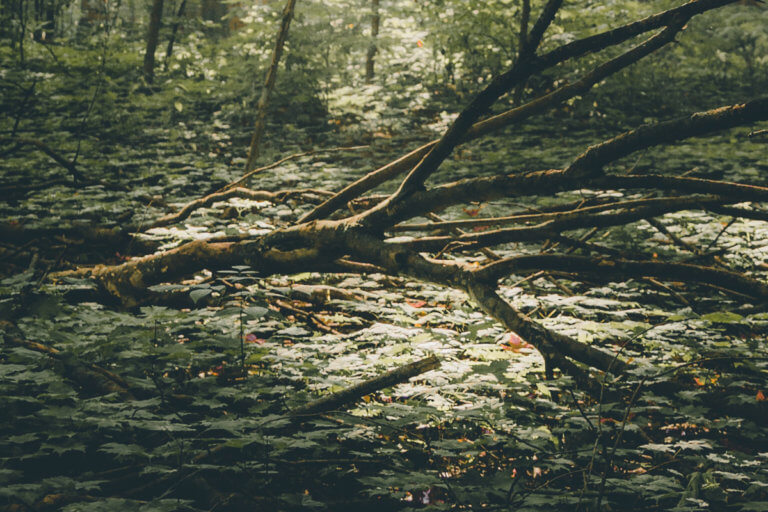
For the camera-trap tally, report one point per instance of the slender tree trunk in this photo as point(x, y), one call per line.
point(155, 20)
point(369, 61)
point(6, 15)
point(38, 16)
point(269, 84)
point(525, 17)
point(22, 30)
point(174, 30)
point(50, 18)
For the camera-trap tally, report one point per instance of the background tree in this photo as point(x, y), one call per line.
point(153, 34)
point(370, 56)
point(269, 84)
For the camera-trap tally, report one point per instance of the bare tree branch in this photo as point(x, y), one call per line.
point(592, 161)
point(352, 393)
point(617, 268)
point(561, 222)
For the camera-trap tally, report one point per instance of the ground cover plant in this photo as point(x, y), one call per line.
point(460, 255)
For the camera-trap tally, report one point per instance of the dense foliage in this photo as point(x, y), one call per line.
point(184, 403)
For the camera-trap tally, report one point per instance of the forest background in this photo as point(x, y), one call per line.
point(206, 386)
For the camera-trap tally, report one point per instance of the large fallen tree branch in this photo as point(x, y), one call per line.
point(89, 376)
point(541, 104)
point(358, 243)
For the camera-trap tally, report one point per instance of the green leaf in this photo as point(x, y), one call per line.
point(199, 293)
point(723, 317)
point(255, 311)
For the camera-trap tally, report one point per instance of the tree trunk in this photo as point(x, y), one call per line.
point(372, 49)
point(269, 84)
point(174, 31)
point(153, 34)
point(22, 13)
point(50, 18)
point(525, 16)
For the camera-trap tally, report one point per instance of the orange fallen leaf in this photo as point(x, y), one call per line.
point(252, 338)
point(515, 343)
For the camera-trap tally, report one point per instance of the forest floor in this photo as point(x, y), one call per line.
point(212, 372)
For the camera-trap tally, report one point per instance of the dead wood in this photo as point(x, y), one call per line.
point(115, 239)
point(358, 242)
point(248, 175)
point(352, 393)
point(308, 195)
point(88, 376)
point(49, 151)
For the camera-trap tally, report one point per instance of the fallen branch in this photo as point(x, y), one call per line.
point(242, 179)
point(555, 348)
point(494, 123)
point(48, 150)
point(624, 269)
point(229, 193)
point(672, 202)
point(352, 393)
point(315, 408)
point(357, 243)
point(551, 181)
point(560, 222)
point(89, 376)
point(591, 162)
point(116, 239)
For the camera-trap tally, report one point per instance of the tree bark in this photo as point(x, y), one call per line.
point(269, 85)
point(153, 34)
point(352, 393)
point(525, 16)
point(372, 48)
point(174, 31)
